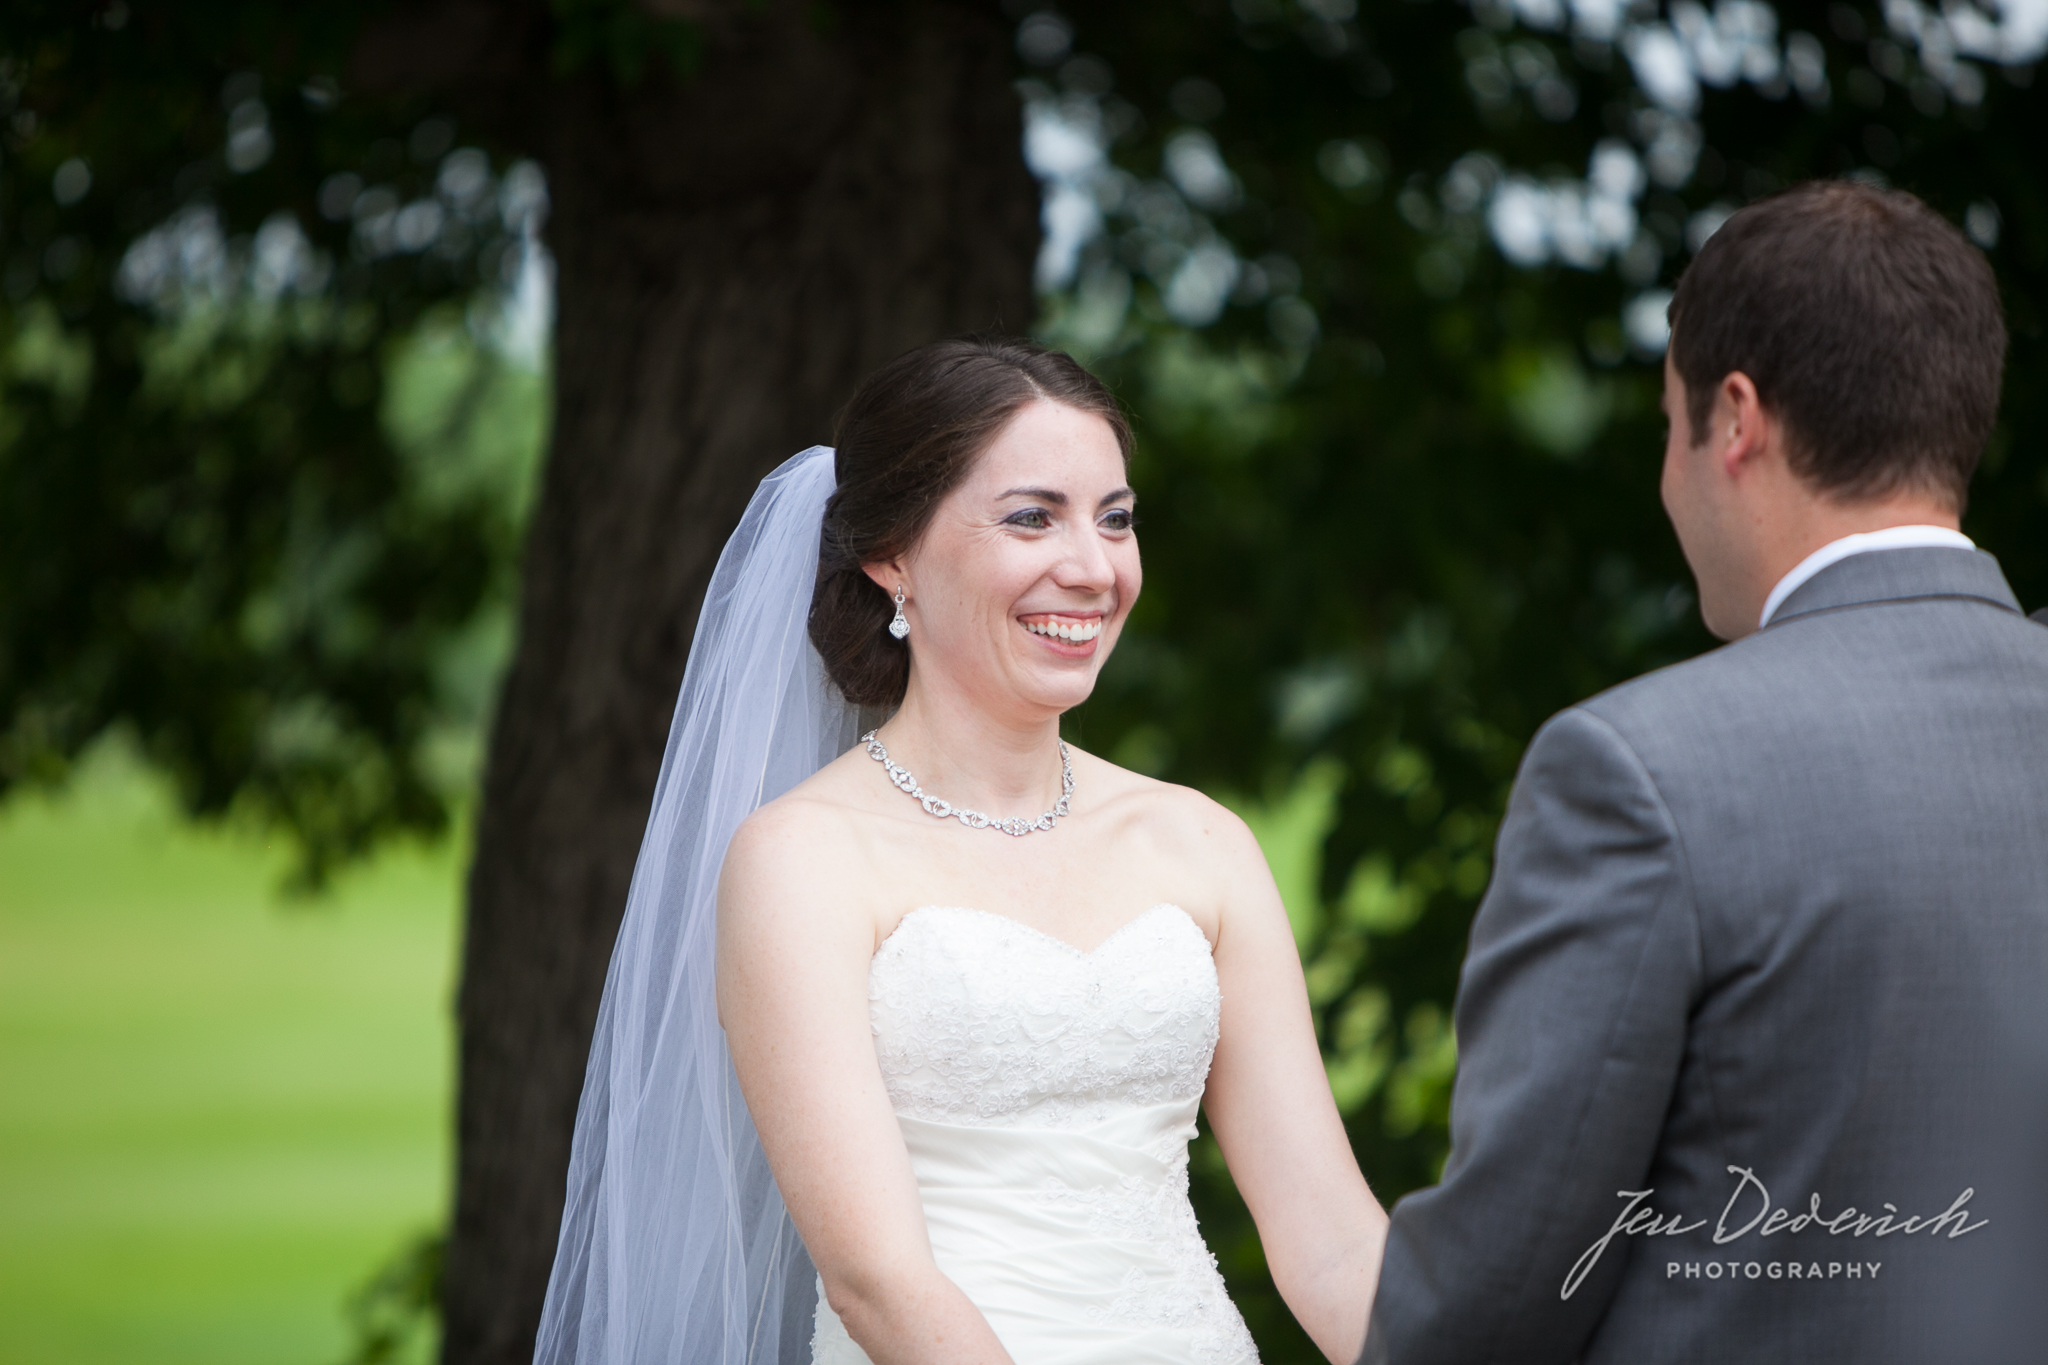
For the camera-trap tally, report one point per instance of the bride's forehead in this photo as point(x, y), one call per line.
point(1051, 446)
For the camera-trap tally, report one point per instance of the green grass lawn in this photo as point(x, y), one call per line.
point(219, 1112)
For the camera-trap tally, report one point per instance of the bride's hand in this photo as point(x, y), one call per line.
point(793, 998)
point(1269, 1105)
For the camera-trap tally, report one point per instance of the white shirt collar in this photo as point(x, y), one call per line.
point(1890, 538)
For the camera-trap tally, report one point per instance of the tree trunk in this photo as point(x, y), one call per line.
point(734, 253)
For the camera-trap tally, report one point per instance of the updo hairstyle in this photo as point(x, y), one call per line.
point(906, 439)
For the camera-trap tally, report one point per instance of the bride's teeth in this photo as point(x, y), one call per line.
point(1078, 633)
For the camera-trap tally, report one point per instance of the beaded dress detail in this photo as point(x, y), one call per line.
point(1047, 1097)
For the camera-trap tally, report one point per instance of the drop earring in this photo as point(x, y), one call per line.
point(899, 627)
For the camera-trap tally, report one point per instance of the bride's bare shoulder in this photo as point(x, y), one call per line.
point(1180, 821)
point(813, 826)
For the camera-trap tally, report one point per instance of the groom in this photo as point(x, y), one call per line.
point(1751, 1029)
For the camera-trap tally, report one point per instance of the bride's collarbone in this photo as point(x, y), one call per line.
point(1069, 855)
point(1097, 869)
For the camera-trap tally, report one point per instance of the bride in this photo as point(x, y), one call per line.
point(974, 982)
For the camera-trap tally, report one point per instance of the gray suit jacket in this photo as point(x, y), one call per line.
point(1781, 909)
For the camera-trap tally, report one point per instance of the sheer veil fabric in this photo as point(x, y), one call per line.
point(675, 1246)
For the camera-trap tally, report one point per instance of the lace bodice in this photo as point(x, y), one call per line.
point(1047, 1097)
point(980, 1019)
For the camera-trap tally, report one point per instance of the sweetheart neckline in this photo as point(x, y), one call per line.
point(1034, 931)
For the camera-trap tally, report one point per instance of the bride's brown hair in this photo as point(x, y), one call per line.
point(905, 440)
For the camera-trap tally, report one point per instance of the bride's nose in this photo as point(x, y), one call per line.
point(1086, 566)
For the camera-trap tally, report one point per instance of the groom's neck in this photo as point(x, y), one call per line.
point(1797, 521)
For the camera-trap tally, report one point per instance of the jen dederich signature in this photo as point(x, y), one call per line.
point(1640, 1220)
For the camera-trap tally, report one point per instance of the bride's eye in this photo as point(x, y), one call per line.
point(1031, 519)
point(1119, 519)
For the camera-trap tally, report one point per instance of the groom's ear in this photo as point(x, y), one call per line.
point(1740, 432)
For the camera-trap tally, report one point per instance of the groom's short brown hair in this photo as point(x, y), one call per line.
point(1869, 325)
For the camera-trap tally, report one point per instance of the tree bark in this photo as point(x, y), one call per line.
point(733, 252)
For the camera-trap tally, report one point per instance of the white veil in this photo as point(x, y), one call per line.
point(675, 1246)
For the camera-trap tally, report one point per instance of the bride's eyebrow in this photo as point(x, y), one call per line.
point(1059, 499)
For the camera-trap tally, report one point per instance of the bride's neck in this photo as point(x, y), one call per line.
point(1001, 766)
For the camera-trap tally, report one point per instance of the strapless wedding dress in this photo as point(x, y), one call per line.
point(1047, 1097)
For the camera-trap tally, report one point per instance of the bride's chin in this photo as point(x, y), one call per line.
point(1035, 696)
point(1064, 698)
point(1034, 684)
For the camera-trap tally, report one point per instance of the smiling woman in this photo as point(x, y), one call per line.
point(927, 1022)
point(1026, 571)
point(969, 1047)
point(906, 440)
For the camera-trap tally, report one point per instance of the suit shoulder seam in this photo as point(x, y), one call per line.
point(1649, 781)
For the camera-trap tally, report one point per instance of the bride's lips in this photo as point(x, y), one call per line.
point(1070, 637)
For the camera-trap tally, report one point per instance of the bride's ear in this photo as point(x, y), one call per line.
point(886, 574)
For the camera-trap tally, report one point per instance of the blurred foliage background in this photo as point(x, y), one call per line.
point(1382, 284)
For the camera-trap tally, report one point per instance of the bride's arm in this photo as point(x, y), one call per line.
point(793, 997)
point(1269, 1105)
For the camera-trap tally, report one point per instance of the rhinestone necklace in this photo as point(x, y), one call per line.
point(1014, 826)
